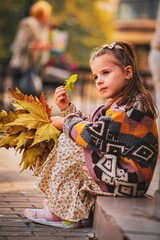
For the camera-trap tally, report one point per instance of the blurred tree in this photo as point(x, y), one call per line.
point(88, 23)
point(10, 14)
point(27, 6)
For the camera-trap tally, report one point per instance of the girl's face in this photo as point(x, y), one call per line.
point(110, 78)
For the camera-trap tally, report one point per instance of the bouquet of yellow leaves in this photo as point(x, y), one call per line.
point(28, 129)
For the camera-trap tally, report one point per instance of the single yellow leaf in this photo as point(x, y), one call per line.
point(3, 114)
point(6, 117)
point(15, 129)
point(69, 83)
point(46, 132)
point(23, 140)
point(30, 103)
point(45, 104)
point(28, 121)
point(30, 156)
point(17, 106)
point(34, 108)
point(8, 141)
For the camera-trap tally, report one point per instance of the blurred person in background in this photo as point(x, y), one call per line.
point(31, 49)
point(154, 64)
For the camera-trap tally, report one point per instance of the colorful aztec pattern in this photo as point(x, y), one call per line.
point(123, 147)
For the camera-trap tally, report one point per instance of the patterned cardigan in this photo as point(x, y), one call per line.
point(120, 146)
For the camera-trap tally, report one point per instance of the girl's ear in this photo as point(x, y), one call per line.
point(128, 72)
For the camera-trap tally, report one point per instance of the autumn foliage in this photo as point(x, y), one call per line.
point(28, 129)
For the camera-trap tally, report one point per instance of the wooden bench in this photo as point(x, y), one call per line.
point(120, 218)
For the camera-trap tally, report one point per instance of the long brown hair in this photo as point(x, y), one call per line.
point(124, 53)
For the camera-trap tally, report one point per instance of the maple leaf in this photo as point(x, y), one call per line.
point(3, 114)
point(6, 117)
point(29, 121)
point(69, 83)
point(45, 133)
point(45, 105)
point(29, 157)
point(8, 140)
point(29, 128)
point(35, 155)
point(32, 104)
point(24, 139)
point(15, 129)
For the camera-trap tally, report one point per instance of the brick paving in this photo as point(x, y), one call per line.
point(17, 192)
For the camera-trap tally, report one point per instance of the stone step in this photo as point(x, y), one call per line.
point(118, 217)
point(122, 218)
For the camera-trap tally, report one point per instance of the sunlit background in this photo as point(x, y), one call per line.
point(79, 26)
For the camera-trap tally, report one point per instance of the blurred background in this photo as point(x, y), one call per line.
point(75, 28)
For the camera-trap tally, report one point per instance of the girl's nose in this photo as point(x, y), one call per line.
point(99, 81)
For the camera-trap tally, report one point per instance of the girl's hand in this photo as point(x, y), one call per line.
point(61, 98)
point(57, 122)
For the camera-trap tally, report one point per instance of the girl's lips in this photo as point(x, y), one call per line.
point(102, 89)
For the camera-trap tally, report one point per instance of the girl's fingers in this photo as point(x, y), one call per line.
point(60, 89)
point(59, 92)
point(59, 97)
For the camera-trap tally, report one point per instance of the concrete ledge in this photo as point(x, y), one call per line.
point(118, 218)
point(125, 218)
point(156, 210)
point(105, 225)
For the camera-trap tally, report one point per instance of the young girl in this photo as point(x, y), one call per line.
point(113, 152)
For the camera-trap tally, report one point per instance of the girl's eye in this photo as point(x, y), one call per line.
point(95, 78)
point(105, 72)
